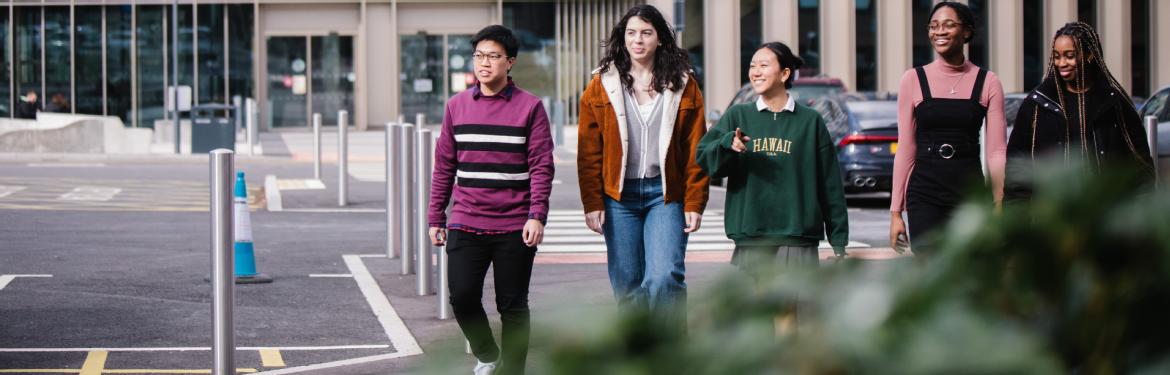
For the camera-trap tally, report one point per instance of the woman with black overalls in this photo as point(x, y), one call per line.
point(941, 109)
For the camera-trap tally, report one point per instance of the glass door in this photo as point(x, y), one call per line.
point(288, 83)
point(434, 67)
point(332, 77)
point(310, 74)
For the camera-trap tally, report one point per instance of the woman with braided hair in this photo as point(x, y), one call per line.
point(942, 106)
point(1079, 113)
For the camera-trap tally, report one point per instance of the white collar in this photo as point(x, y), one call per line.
point(789, 106)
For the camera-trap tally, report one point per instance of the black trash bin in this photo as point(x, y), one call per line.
point(212, 127)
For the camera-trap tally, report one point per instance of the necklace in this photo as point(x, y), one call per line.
point(953, 92)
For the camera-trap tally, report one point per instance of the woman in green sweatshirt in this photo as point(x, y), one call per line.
point(784, 191)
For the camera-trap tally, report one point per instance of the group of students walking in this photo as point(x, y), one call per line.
point(645, 155)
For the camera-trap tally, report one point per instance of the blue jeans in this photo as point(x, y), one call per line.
point(646, 249)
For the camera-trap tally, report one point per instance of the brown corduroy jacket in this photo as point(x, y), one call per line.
point(603, 141)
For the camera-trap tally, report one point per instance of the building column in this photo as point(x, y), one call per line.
point(781, 22)
point(721, 55)
point(1005, 26)
point(895, 50)
point(1116, 32)
point(666, 7)
point(1159, 44)
point(838, 42)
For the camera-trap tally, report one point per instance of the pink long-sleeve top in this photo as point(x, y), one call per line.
point(941, 76)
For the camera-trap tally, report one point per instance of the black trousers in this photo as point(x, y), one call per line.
point(469, 256)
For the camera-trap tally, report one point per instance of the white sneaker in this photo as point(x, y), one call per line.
point(485, 368)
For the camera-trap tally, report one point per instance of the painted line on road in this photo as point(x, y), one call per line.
point(192, 349)
point(66, 165)
point(371, 255)
point(272, 193)
point(112, 371)
point(336, 364)
point(271, 358)
point(330, 275)
point(161, 371)
point(6, 279)
point(400, 336)
point(334, 210)
point(95, 362)
point(91, 193)
point(8, 190)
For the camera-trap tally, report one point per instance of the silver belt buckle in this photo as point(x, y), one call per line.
point(946, 151)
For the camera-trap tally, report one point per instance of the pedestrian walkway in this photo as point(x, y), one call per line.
point(566, 233)
point(85, 194)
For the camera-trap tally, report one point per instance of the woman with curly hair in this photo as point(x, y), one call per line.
point(641, 118)
point(1079, 113)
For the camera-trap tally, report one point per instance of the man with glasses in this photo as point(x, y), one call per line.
point(494, 161)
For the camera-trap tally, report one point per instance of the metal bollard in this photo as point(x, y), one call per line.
point(238, 116)
point(444, 291)
point(222, 269)
point(406, 205)
point(250, 123)
point(422, 195)
point(342, 158)
point(392, 189)
point(317, 146)
point(1152, 137)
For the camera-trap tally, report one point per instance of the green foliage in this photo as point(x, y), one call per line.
point(1077, 279)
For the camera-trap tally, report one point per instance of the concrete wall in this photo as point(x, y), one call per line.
point(67, 133)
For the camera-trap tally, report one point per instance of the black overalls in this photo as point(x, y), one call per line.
point(947, 162)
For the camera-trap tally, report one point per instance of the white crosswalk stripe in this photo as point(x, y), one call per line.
point(8, 190)
point(566, 233)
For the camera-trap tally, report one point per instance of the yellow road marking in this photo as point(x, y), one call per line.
point(271, 358)
point(107, 371)
point(95, 362)
point(156, 371)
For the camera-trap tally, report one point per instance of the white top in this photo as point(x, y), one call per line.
point(789, 106)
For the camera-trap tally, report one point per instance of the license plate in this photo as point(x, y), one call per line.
point(893, 148)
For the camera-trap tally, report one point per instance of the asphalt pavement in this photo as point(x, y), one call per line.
point(104, 263)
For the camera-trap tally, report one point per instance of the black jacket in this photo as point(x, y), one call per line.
point(1114, 134)
point(25, 109)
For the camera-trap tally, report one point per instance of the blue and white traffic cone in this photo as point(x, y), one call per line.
point(245, 256)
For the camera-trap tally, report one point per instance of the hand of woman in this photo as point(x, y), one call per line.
point(594, 220)
point(898, 240)
point(739, 143)
point(694, 220)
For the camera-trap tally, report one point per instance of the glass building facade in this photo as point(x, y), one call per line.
point(115, 59)
point(296, 58)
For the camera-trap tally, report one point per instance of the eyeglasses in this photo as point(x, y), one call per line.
point(948, 25)
point(492, 57)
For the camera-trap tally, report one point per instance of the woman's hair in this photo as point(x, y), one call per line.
point(671, 63)
point(786, 58)
point(1088, 50)
point(966, 16)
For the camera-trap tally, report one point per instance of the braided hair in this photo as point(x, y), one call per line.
point(1089, 54)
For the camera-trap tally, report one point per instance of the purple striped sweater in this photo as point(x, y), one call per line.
point(494, 160)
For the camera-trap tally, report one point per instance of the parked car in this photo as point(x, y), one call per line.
point(1159, 105)
point(1011, 108)
point(803, 89)
point(866, 135)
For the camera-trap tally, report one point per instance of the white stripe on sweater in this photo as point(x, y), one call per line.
point(493, 175)
point(489, 138)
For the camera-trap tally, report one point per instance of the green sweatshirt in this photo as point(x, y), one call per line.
point(785, 189)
